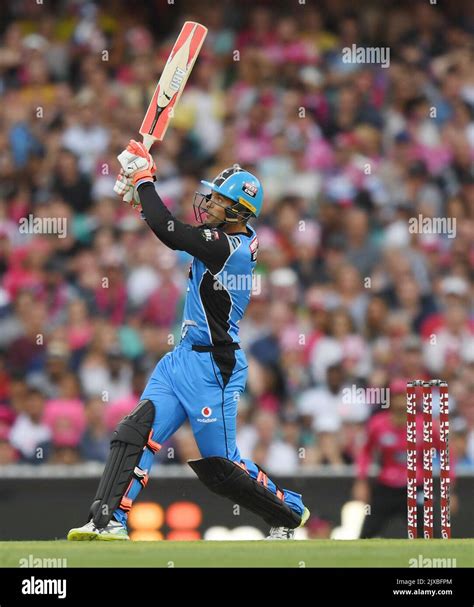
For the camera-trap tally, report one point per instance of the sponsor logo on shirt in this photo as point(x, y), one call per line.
point(210, 234)
point(206, 418)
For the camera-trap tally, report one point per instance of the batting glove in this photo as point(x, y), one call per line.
point(124, 188)
point(137, 162)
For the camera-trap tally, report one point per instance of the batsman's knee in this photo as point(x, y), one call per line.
point(134, 428)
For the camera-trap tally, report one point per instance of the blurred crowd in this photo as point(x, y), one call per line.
point(346, 295)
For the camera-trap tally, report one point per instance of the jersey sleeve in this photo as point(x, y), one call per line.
point(210, 245)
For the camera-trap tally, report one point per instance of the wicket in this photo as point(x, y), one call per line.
point(427, 447)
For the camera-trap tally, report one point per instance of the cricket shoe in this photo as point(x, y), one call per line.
point(286, 533)
point(113, 532)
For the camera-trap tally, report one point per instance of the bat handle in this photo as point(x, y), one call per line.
point(148, 141)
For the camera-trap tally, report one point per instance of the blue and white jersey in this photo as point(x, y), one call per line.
point(219, 292)
point(220, 277)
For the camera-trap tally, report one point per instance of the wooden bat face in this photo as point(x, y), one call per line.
point(172, 82)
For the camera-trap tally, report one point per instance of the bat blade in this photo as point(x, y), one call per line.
point(172, 82)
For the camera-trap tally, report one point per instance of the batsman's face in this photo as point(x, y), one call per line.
point(215, 207)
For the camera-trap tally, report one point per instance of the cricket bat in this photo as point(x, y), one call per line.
point(172, 82)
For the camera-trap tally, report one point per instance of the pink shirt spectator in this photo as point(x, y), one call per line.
point(66, 420)
point(118, 410)
point(160, 309)
point(390, 442)
point(79, 337)
point(112, 303)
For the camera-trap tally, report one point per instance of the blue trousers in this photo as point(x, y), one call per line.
point(187, 384)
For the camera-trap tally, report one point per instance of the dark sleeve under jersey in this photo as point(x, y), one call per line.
point(210, 245)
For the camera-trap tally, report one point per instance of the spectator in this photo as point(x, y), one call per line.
point(95, 442)
point(321, 410)
point(8, 455)
point(72, 186)
point(84, 135)
point(66, 420)
point(341, 345)
point(30, 435)
point(56, 367)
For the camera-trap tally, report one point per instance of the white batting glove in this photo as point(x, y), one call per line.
point(124, 188)
point(137, 162)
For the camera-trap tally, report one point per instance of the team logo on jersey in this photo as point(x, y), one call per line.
point(210, 234)
point(249, 189)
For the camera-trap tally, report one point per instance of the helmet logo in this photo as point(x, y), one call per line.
point(249, 189)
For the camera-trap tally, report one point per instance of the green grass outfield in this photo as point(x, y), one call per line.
point(304, 553)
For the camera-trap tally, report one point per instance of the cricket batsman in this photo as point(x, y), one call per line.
point(204, 376)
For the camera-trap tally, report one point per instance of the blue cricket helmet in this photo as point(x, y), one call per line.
point(240, 186)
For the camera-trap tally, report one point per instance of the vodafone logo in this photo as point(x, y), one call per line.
point(206, 418)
